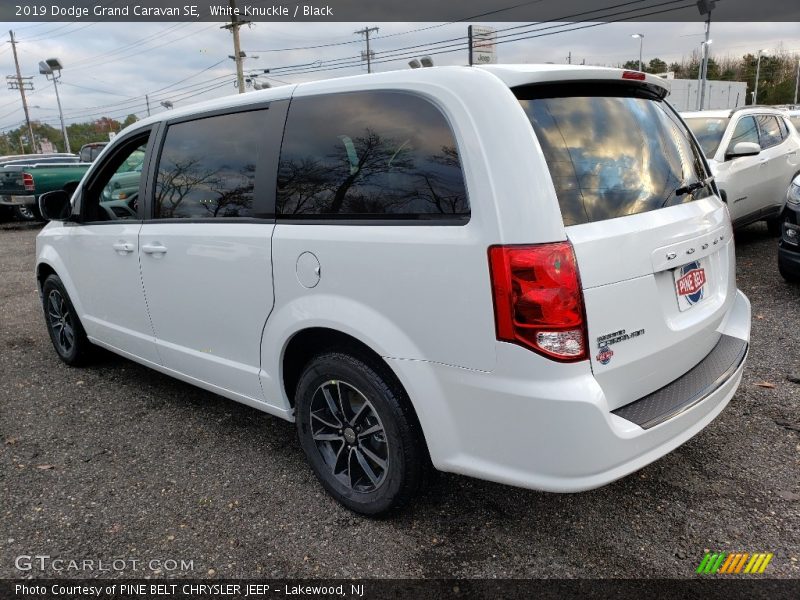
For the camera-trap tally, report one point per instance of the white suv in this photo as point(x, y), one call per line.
point(754, 153)
point(518, 273)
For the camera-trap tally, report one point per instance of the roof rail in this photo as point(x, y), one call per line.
point(748, 106)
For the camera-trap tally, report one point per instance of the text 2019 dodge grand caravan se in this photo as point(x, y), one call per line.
point(518, 273)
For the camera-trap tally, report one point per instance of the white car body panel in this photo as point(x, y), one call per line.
point(113, 303)
point(420, 297)
point(209, 296)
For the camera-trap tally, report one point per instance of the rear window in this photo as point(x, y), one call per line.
point(370, 155)
point(613, 151)
point(708, 132)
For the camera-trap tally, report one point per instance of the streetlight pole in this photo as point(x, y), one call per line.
point(61, 116)
point(703, 74)
point(640, 36)
point(758, 70)
point(51, 69)
point(797, 82)
point(705, 61)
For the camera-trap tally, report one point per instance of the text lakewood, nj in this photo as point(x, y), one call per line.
point(276, 10)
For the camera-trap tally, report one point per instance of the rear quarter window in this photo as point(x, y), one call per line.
point(612, 151)
point(769, 131)
point(369, 155)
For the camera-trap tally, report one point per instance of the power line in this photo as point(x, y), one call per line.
point(445, 47)
point(100, 58)
point(460, 41)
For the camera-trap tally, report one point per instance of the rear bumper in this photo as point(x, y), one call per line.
point(553, 433)
point(17, 200)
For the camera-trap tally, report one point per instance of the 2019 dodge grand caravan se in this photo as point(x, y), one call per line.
point(518, 273)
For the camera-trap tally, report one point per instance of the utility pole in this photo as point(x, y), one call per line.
point(20, 84)
point(569, 58)
point(365, 32)
point(233, 27)
point(797, 82)
point(758, 71)
point(147, 101)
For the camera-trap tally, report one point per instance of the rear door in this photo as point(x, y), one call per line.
point(205, 253)
point(653, 242)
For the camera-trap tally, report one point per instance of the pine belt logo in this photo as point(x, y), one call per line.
point(734, 563)
point(690, 284)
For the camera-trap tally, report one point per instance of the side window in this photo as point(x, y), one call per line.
point(114, 194)
point(769, 131)
point(379, 155)
point(207, 168)
point(745, 131)
point(784, 128)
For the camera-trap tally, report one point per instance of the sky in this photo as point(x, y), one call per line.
point(110, 67)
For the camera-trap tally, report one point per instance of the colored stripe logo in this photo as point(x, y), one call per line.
point(734, 563)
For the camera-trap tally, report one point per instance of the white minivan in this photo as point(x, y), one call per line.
point(518, 273)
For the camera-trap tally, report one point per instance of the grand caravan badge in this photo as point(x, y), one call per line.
point(604, 341)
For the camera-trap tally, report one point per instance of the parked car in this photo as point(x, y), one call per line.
point(89, 152)
point(789, 246)
point(25, 212)
point(10, 158)
point(22, 184)
point(21, 175)
point(754, 154)
point(519, 273)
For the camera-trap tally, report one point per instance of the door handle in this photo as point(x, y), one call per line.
point(123, 247)
point(154, 249)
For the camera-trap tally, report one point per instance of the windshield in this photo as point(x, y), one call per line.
point(708, 132)
point(611, 154)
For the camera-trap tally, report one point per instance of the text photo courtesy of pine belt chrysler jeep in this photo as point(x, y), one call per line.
point(518, 273)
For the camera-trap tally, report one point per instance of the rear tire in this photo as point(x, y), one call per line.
point(65, 329)
point(28, 212)
point(359, 433)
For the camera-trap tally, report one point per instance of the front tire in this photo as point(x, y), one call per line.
point(65, 329)
point(359, 433)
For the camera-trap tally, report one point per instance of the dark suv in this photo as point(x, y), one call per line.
point(789, 247)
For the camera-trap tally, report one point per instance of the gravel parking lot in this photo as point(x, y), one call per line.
point(117, 461)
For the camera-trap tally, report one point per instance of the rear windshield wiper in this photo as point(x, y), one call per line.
point(693, 187)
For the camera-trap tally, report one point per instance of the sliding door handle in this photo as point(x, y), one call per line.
point(155, 248)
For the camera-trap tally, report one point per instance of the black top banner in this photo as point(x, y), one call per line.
point(400, 10)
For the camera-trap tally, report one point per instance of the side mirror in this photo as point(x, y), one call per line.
point(743, 149)
point(55, 205)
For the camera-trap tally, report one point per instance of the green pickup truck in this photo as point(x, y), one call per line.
point(21, 183)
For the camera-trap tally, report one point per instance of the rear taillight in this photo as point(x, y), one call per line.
point(27, 182)
point(538, 301)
